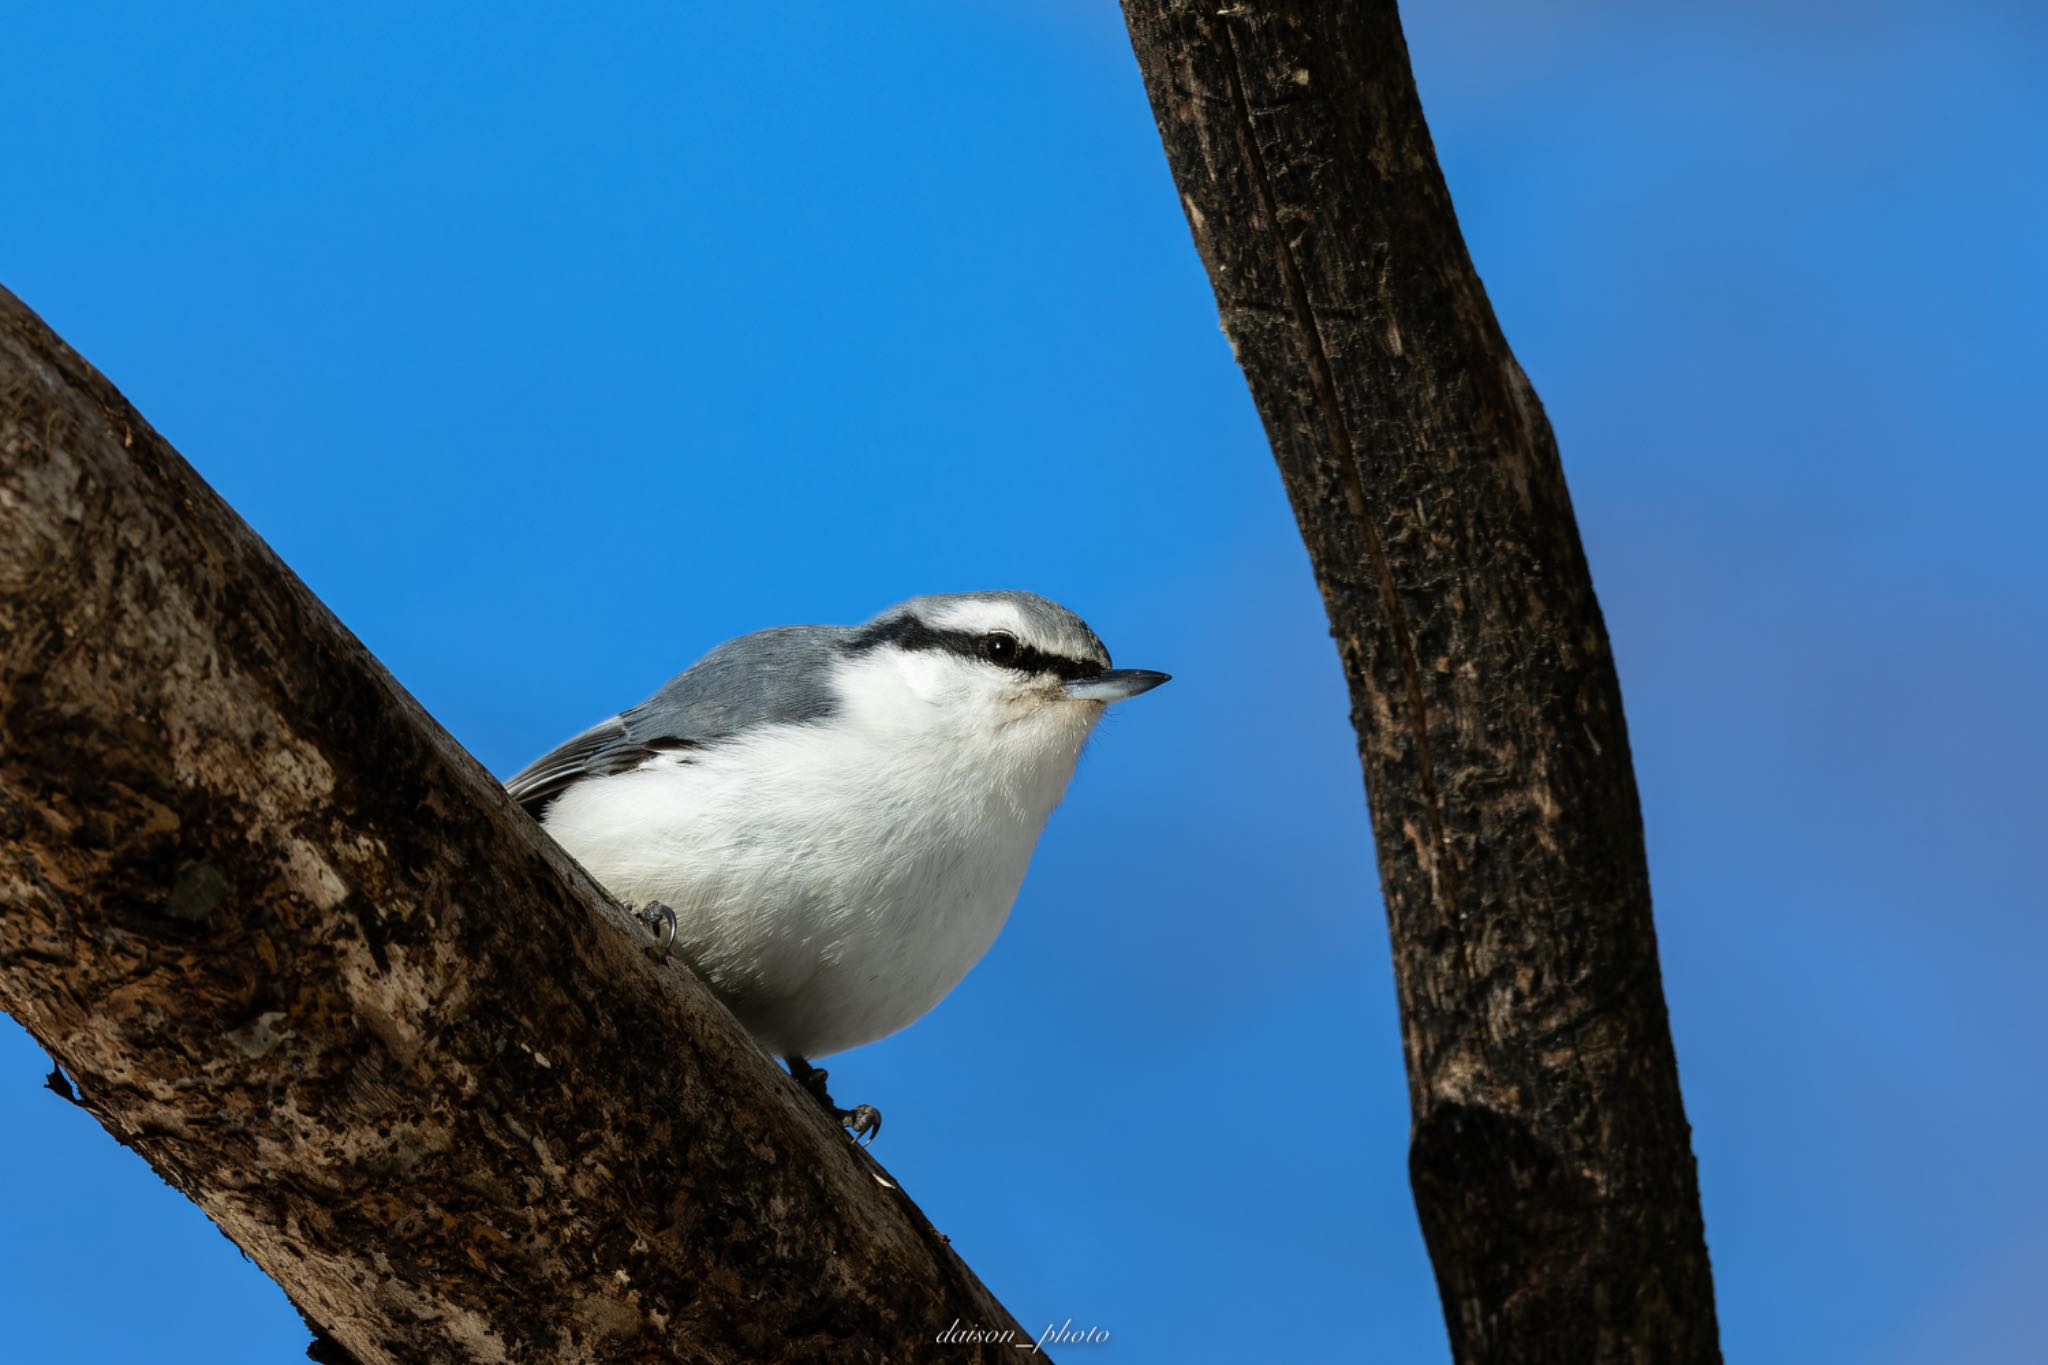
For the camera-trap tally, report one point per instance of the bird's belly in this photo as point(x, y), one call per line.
point(824, 921)
point(879, 965)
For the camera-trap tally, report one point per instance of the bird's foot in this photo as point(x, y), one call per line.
point(661, 922)
point(862, 1121)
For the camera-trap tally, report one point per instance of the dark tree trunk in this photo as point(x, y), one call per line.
point(1550, 1158)
point(306, 957)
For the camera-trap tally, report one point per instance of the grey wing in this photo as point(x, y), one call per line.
point(772, 677)
point(603, 749)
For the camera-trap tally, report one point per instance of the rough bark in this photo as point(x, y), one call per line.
point(1550, 1155)
point(302, 953)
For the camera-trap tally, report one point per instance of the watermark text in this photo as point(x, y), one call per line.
point(1055, 1334)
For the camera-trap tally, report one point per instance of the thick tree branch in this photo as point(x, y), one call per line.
point(1550, 1157)
point(303, 954)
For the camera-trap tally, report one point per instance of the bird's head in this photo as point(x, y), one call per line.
point(1021, 666)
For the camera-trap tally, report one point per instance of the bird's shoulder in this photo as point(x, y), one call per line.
point(781, 676)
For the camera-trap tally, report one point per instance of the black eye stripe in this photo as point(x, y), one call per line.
point(907, 632)
point(1030, 660)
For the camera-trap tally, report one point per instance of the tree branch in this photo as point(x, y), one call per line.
point(302, 953)
point(1550, 1155)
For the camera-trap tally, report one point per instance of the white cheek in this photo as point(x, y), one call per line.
point(929, 676)
point(931, 689)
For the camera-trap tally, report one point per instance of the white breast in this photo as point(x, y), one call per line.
point(834, 881)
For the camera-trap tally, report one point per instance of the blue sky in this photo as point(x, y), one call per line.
point(552, 350)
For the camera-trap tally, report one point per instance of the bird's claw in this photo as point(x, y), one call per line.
point(661, 922)
point(862, 1121)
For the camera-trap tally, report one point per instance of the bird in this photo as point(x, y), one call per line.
point(830, 824)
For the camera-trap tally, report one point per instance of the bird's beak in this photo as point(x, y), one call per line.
point(1116, 684)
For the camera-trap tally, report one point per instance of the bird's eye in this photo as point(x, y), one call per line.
point(999, 647)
